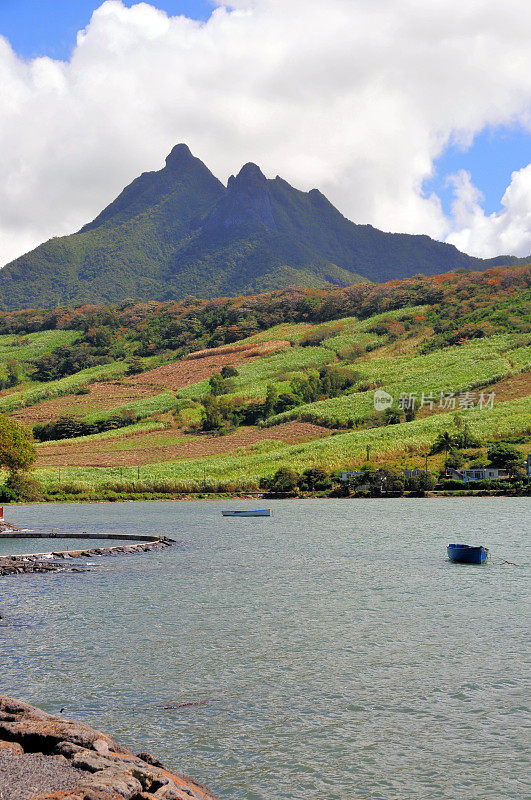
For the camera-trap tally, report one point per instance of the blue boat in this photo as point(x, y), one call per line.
point(466, 554)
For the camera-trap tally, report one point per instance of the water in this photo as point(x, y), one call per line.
point(341, 654)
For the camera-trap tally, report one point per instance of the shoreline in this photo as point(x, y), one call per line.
point(197, 496)
point(48, 757)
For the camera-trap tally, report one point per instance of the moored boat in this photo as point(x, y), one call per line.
point(467, 554)
point(258, 512)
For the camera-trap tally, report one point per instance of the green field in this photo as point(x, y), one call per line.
point(470, 340)
point(341, 451)
point(32, 345)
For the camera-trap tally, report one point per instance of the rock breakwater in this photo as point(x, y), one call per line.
point(44, 757)
point(56, 561)
point(7, 527)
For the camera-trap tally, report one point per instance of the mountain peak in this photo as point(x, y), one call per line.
point(250, 177)
point(179, 231)
point(248, 198)
point(251, 172)
point(180, 154)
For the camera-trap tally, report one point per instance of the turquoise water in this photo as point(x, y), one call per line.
point(340, 654)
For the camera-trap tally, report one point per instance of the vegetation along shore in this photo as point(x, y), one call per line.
point(411, 386)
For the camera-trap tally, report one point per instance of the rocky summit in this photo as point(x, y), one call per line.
point(44, 757)
point(180, 232)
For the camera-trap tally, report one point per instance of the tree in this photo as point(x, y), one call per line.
point(213, 417)
point(220, 385)
point(504, 456)
point(13, 372)
point(217, 384)
point(270, 400)
point(284, 481)
point(421, 483)
point(314, 479)
point(384, 481)
point(454, 459)
point(465, 438)
point(17, 446)
point(286, 401)
point(442, 443)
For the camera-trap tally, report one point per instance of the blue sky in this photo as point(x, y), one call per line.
point(49, 27)
point(314, 91)
point(494, 155)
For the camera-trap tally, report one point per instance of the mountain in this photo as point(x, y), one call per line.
point(179, 232)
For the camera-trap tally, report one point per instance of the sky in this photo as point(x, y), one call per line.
point(408, 115)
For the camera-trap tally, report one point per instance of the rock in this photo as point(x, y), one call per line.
point(101, 746)
point(91, 762)
point(149, 759)
point(13, 747)
point(114, 780)
point(98, 768)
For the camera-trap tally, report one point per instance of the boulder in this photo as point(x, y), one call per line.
point(101, 768)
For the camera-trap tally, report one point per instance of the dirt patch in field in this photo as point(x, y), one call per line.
point(154, 446)
point(511, 388)
point(203, 363)
point(105, 395)
point(248, 350)
point(102, 396)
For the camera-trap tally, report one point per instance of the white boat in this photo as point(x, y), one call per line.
point(259, 512)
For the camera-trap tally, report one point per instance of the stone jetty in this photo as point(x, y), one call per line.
point(44, 757)
point(57, 561)
point(7, 527)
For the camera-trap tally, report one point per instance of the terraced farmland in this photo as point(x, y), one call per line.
point(153, 395)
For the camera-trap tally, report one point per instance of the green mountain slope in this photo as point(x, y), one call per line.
point(179, 231)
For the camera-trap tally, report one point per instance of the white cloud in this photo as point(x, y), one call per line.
point(354, 96)
point(505, 232)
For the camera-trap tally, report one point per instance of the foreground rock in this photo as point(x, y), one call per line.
point(43, 757)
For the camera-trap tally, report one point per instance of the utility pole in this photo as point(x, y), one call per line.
point(426, 463)
point(368, 451)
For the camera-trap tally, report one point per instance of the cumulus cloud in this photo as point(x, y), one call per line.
point(505, 232)
point(355, 97)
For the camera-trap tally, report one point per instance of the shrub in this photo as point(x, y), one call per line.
point(66, 361)
point(229, 372)
point(421, 483)
point(351, 352)
point(19, 486)
point(134, 366)
point(67, 427)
